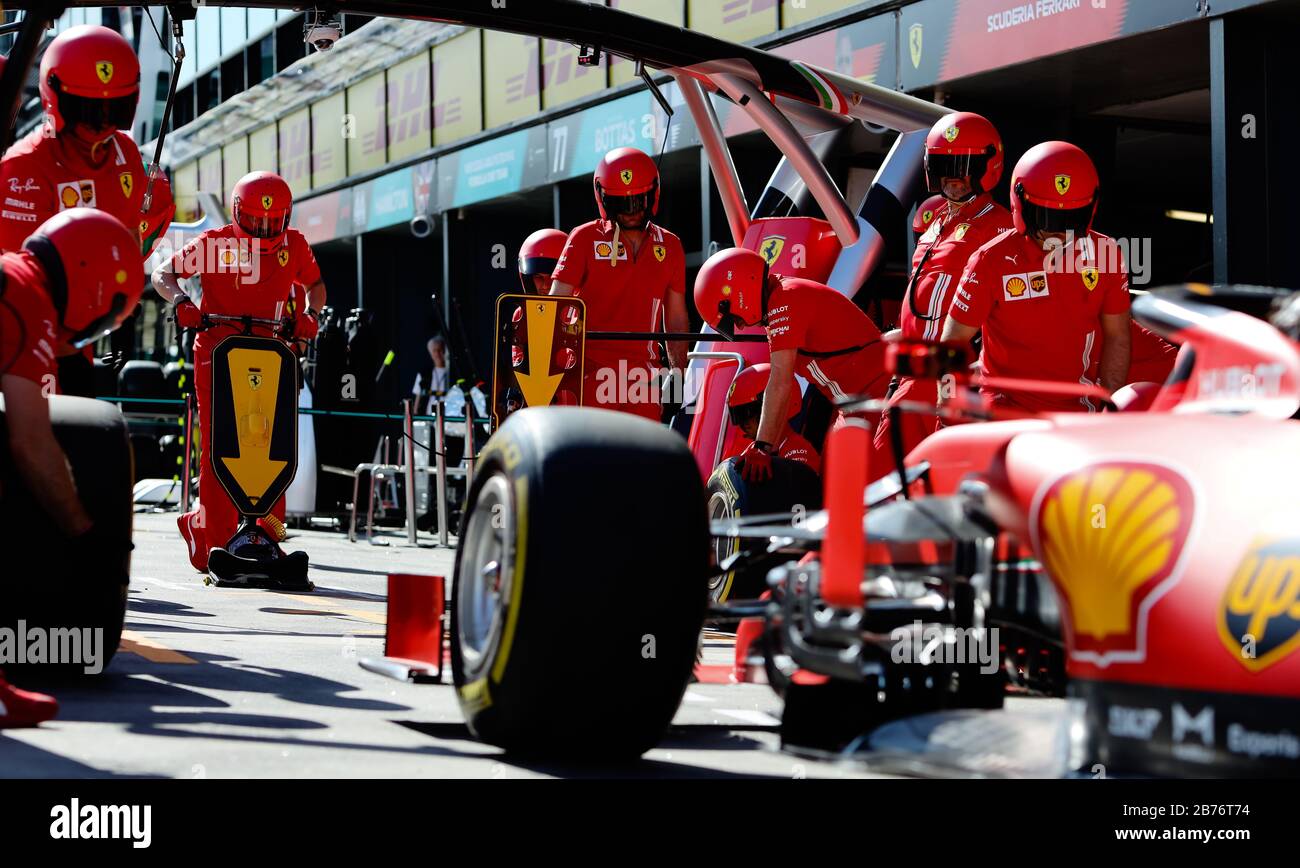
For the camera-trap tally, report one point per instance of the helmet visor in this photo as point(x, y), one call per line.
point(100, 114)
point(615, 206)
point(1055, 220)
point(263, 225)
point(744, 413)
point(968, 166)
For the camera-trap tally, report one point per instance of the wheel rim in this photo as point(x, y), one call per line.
point(723, 547)
point(487, 573)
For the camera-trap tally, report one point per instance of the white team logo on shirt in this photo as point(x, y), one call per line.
point(74, 194)
point(604, 249)
point(1016, 287)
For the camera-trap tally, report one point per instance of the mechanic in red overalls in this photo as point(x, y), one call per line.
point(254, 266)
point(963, 163)
point(89, 84)
point(812, 331)
point(631, 274)
point(54, 296)
point(745, 405)
point(1049, 291)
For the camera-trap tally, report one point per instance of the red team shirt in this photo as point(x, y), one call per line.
point(838, 346)
point(27, 321)
point(941, 254)
point(42, 176)
point(1038, 324)
point(245, 277)
point(621, 291)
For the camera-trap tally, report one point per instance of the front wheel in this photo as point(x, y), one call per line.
point(580, 584)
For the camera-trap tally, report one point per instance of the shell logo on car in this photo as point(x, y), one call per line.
point(1259, 616)
point(1113, 537)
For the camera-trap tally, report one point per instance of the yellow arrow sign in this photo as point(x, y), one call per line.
point(254, 384)
point(539, 384)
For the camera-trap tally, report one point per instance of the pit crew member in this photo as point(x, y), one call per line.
point(538, 256)
point(963, 163)
point(89, 83)
point(745, 405)
point(53, 296)
point(630, 273)
point(812, 330)
point(253, 266)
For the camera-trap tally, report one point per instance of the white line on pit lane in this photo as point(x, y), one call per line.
point(757, 718)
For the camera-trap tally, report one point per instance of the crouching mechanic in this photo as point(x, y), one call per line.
point(812, 330)
point(1048, 291)
point(75, 279)
point(254, 267)
point(963, 163)
point(629, 273)
point(745, 406)
point(80, 156)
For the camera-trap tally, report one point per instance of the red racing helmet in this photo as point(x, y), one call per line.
point(745, 398)
point(92, 269)
point(1054, 188)
point(627, 181)
point(90, 74)
point(927, 211)
point(729, 289)
point(963, 145)
point(260, 205)
point(538, 256)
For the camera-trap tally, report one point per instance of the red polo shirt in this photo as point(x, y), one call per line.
point(623, 291)
point(1041, 316)
point(28, 330)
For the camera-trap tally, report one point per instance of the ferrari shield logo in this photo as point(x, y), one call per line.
point(104, 69)
point(914, 34)
point(1090, 278)
point(771, 248)
point(626, 177)
point(1113, 537)
point(960, 232)
point(661, 252)
point(1259, 616)
point(926, 216)
point(254, 379)
point(127, 182)
point(951, 133)
point(144, 226)
point(283, 257)
point(267, 202)
point(1062, 184)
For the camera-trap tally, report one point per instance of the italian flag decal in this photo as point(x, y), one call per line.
point(831, 99)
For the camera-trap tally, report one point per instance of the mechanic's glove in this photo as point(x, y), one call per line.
point(187, 316)
point(756, 462)
point(305, 326)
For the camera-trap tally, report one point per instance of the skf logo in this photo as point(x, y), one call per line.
point(267, 202)
point(283, 257)
point(1113, 537)
point(960, 232)
point(127, 182)
point(626, 177)
point(661, 252)
point(771, 248)
point(1090, 278)
point(914, 35)
point(1062, 184)
point(1259, 617)
point(951, 133)
point(104, 70)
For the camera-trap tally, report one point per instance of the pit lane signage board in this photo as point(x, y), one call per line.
point(254, 448)
point(539, 353)
point(943, 40)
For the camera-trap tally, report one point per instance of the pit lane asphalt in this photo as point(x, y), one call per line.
point(234, 683)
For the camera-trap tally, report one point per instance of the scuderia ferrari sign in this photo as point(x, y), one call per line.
point(254, 421)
